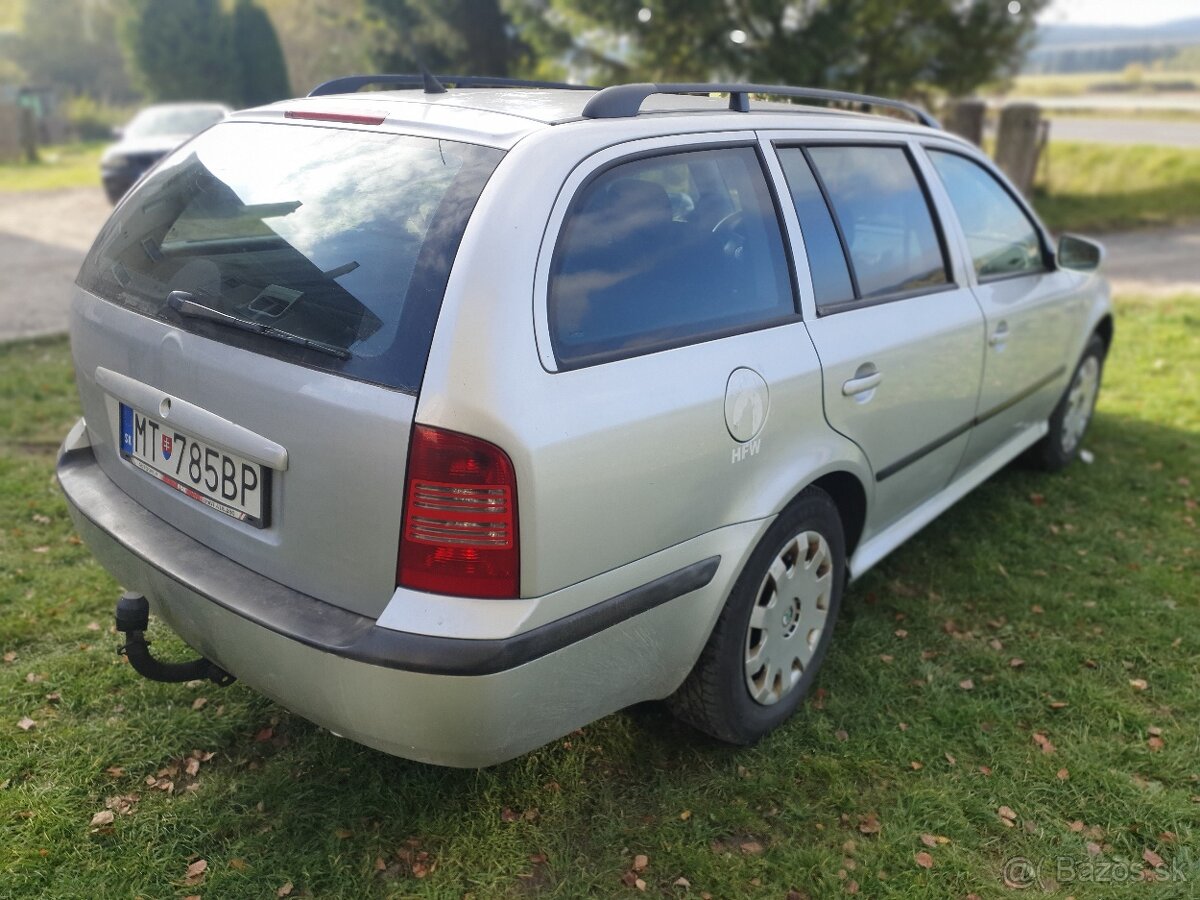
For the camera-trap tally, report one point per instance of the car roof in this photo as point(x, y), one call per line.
point(501, 116)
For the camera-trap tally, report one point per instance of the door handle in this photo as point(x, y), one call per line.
point(862, 384)
point(999, 336)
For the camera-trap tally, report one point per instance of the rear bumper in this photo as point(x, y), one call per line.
point(442, 700)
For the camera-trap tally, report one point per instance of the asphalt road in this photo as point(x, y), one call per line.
point(44, 236)
point(1162, 132)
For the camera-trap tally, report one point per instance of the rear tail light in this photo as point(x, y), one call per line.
point(459, 534)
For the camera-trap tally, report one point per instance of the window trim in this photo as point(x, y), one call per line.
point(1049, 262)
point(861, 302)
point(602, 358)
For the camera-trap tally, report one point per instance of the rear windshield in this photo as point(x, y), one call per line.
point(334, 244)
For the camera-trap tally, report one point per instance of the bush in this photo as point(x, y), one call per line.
point(91, 120)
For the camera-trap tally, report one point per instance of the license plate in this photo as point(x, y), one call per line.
point(217, 478)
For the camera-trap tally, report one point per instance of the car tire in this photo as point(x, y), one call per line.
point(1071, 417)
point(780, 613)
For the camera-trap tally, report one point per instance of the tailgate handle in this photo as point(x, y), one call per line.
point(193, 419)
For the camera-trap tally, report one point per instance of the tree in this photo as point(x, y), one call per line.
point(181, 50)
point(894, 47)
point(460, 37)
point(261, 71)
point(71, 45)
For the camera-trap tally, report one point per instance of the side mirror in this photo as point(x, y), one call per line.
point(1079, 253)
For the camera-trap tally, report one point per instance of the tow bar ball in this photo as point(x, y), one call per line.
point(133, 618)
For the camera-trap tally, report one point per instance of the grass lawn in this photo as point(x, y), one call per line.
point(1106, 187)
point(63, 166)
point(1020, 680)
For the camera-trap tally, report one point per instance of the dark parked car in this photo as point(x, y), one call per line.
point(151, 135)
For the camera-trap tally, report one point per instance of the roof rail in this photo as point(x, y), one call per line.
point(351, 83)
point(625, 100)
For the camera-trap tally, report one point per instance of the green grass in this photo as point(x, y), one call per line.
point(63, 166)
point(1088, 576)
point(1107, 187)
point(1076, 84)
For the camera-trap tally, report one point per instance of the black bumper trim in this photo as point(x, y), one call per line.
point(322, 625)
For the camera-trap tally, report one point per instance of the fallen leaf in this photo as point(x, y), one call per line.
point(1036, 610)
point(640, 862)
point(924, 860)
point(639, 884)
point(1063, 774)
point(192, 767)
point(195, 872)
point(115, 771)
point(1007, 815)
point(1058, 704)
point(851, 887)
point(685, 815)
point(886, 657)
point(239, 864)
point(870, 824)
point(1138, 684)
point(681, 882)
point(262, 737)
point(10, 657)
point(929, 840)
point(985, 770)
point(1037, 499)
point(507, 815)
point(751, 848)
point(54, 697)
point(34, 678)
point(1093, 848)
point(1156, 744)
point(1155, 861)
point(916, 766)
point(901, 633)
point(342, 833)
point(104, 817)
point(967, 684)
point(93, 626)
point(1044, 742)
point(1016, 662)
point(841, 735)
point(26, 723)
point(284, 890)
point(199, 703)
point(1076, 826)
point(950, 758)
point(40, 519)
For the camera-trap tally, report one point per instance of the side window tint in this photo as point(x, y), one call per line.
point(826, 261)
point(1002, 239)
point(664, 251)
point(884, 217)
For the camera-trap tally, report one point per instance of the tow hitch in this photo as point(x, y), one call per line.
point(133, 618)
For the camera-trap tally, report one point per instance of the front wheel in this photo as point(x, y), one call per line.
point(1070, 419)
point(774, 631)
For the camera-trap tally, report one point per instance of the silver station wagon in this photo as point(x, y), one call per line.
point(454, 416)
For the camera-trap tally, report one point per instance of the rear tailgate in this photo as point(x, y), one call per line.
point(250, 333)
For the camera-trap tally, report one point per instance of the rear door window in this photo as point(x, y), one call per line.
point(884, 220)
point(328, 247)
point(665, 251)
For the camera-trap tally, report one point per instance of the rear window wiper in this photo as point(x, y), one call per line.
point(185, 304)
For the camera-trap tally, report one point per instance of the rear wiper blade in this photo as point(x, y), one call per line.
point(184, 304)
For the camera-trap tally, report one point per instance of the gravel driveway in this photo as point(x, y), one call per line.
point(43, 239)
point(44, 236)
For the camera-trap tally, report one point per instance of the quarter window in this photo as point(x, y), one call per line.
point(666, 251)
point(1002, 239)
point(884, 218)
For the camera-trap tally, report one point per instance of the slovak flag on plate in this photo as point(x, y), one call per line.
point(167, 444)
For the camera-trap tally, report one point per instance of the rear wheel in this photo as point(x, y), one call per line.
point(1070, 419)
point(774, 631)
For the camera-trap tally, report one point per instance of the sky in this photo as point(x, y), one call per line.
point(1119, 12)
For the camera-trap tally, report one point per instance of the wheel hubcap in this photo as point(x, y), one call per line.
point(1081, 400)
point(789, 617)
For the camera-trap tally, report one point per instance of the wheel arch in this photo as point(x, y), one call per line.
point(1104, 328)
point(850, 498)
